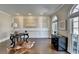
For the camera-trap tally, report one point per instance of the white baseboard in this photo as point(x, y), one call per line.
point(4, 39)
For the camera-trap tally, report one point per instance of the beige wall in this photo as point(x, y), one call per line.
point(32, 21)
point(19, 21)
point(62, 14)
point(37, 26)
point(5, 25)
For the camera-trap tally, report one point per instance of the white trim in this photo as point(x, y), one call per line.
point(72, 8)
point(31, 29)
point(4, 39)
point(35, 32)
point(4, 13)
point(76, 14)
point(57, 9)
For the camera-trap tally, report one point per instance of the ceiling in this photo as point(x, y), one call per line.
point(32, 9)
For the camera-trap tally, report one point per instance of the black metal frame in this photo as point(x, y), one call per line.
point(14, 37)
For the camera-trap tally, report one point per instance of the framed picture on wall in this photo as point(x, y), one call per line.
point(62, 25)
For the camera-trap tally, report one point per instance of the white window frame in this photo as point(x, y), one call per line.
point(55, 20)
point(71, 28)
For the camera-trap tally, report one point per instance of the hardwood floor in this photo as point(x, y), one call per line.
point(42, 46)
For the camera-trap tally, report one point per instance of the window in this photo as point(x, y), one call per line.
point(75, 9)
point(75, 26)
point(75, 30)
point(55, 25)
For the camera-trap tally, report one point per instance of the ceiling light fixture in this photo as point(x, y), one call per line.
point(41, 13)
point(17, 14)
point(29, 13)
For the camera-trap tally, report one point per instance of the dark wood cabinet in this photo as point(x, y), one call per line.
point(59, 42)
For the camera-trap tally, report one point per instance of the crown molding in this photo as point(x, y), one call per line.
point(57, 9)
point(4, 13)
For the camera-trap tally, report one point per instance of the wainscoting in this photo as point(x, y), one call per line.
point(36, 32)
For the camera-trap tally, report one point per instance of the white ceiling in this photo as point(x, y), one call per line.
point(24, 9)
